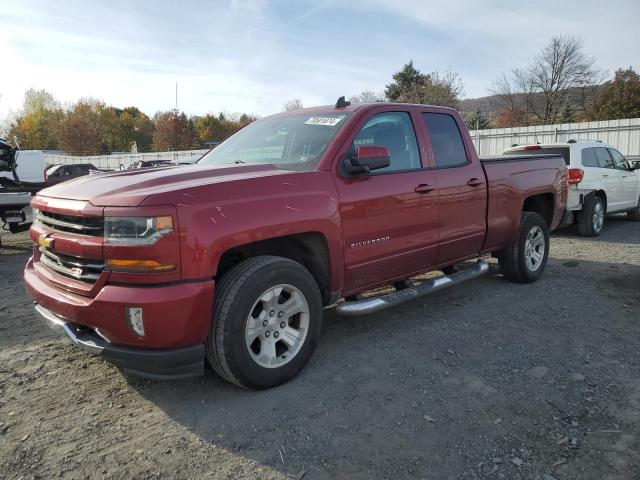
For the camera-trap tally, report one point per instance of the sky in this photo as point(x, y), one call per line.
point(253, 55)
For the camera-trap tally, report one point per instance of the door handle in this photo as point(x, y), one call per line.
point(474, 182)
point(605, 174)
point(423, 188)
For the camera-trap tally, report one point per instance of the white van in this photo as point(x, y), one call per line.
point(601, 181)
point(30, 167)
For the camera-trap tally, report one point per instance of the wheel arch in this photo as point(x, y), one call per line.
point(543, 204)
point(310, 249)
point(603, 196)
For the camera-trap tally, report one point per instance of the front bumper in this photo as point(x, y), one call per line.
point(176, 315)
point(154, 364)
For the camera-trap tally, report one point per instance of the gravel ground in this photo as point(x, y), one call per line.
point(485, 380)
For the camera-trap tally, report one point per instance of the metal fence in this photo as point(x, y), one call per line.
point(121, 160)
point(623, 134)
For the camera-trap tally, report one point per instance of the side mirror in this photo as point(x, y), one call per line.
point(635, 165)
point(366, 158)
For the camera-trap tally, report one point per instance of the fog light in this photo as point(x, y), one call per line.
point(134, 319)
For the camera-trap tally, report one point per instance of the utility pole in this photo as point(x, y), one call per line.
point(176, 95)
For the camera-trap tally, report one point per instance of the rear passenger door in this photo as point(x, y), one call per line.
point(462, 197)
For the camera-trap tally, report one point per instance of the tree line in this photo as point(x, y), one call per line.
point(90, 127)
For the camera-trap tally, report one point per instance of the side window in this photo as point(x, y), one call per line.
point(589, 158)
point(393, 130)
point(618, 159)
point(448, 146)
point(67, 171)
point(604, 159)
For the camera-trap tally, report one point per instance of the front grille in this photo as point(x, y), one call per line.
point(75, 267)
point(93, 226)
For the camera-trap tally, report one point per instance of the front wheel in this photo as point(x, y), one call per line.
point(525, 259)
point(266, 322)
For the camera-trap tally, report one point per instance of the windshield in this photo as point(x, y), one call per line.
point(290, 142)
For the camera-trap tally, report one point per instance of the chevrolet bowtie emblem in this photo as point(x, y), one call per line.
point(44, 241)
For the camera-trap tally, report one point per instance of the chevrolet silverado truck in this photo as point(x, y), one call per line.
point(232, 259)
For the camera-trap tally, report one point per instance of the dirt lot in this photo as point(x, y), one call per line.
point(487, 380)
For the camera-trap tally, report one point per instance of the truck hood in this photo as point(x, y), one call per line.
point(130, 188)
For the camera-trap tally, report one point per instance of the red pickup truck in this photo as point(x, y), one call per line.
point(233, 259)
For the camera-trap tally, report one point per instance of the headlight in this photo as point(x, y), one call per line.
point(136, 230)
point(34, 214)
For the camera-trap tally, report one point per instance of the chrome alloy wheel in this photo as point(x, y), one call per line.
point(277, 326)
point(534, 248)
point(598, 216)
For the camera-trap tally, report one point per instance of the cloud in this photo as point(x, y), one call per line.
point(252, 55)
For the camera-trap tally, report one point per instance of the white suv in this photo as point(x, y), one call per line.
point(601, 181)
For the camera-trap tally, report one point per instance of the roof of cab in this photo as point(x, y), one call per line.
point(353, 107)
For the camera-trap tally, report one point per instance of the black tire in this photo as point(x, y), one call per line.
point(236, 294)
point(449, 270)
point(513, 261)
point(634, 215)
point(587, 225)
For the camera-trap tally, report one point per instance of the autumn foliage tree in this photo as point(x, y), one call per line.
point(80, 130)
point(122, 129)
point(38, 123)
point(215, 128)
point(172, 132)
point(618, 98)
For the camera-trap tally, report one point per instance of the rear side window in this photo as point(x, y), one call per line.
point(54, 171)
point(604, 159)
point(589, 158)
point(448, 146)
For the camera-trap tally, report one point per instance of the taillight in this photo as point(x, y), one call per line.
point(533, 147)
point(575, 176)
point(46, 177)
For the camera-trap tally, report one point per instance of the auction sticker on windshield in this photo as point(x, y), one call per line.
point(329, 121)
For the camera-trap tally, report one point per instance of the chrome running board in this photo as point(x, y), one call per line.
point(375, 304)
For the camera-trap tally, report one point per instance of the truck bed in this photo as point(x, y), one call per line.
point(510, 179)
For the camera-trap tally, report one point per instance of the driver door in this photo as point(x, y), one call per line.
point(390, 216)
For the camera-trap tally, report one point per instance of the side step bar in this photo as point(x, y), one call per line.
point(375, 304)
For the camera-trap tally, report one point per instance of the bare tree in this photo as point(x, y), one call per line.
point(367, 96)
point(292, 104)
point(559, 67)
point(556, 75)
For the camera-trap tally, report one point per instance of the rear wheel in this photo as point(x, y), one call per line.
point(634, 214)
point(266, 322)
point(525, 260)
point(591, 217)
